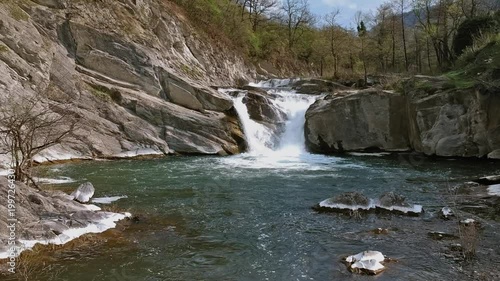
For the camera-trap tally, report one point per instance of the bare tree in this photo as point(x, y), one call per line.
point(259, 10)
point(401, 6)
point(362, 34)
point(29, 125)
point(296, 16)
point(332, 26)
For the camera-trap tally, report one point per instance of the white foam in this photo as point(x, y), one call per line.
point(329, 204)
point(138, 152)
point(70, 234)
point(108, 200)
point(59, 180)
point(494, 190)
point(412, 209)
point(368, 260)
point(373, 203)
point(273, 83)
point(92, 207)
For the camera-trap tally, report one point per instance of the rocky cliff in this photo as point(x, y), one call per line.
point(432, 116)
point(135, 72)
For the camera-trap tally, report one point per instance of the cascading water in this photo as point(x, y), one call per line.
point(289, 150)
point(295, 105)
point(258, 137)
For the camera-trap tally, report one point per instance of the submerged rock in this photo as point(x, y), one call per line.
point(391, 201)
point(446, 212)
point(367, 262)
point(83, 193)
point(349, 201)
point(355, 201)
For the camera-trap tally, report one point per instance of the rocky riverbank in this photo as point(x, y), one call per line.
point(45, 217)
point(428, 116)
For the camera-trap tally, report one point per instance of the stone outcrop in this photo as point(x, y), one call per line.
point(453, 122)
point(431, 117)
point(135, 72)
point(361, 120)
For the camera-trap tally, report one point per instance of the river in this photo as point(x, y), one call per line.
point(249, 216)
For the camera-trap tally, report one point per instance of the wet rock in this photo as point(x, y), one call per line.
point(349, 201)
point(367, 262)
point(84, 192)
point(391, 201)
point(489, 180)
point(380, 231)
point(355, 201)
point(261, 108)
point(446, 213)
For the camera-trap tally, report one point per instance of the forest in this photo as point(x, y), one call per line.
point(400, 36)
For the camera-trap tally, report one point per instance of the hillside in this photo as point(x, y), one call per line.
point(135, 74)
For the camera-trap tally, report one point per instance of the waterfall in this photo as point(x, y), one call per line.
point(259, 137)
point(295, 105)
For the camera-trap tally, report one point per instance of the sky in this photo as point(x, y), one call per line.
point(347, 8)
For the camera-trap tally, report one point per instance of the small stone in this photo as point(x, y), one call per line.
point(367, 262)
point(446, 213)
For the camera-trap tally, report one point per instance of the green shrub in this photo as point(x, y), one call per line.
point(471, 29)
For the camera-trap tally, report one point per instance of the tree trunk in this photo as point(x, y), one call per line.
point(404, 35)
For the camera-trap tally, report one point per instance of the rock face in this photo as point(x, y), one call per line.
point(435, 120)
point(362, 120)
point(83, 193)
point(457, 122)
point(135, 72)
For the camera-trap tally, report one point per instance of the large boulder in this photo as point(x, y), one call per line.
point(453, 122)
point(261, 109)
point(360, 120)
point(83, 193)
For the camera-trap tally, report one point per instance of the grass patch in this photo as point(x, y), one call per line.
point(458, 79)
point(3, 49)
point(17, 13)
point(191, 72)
point(105, 93)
